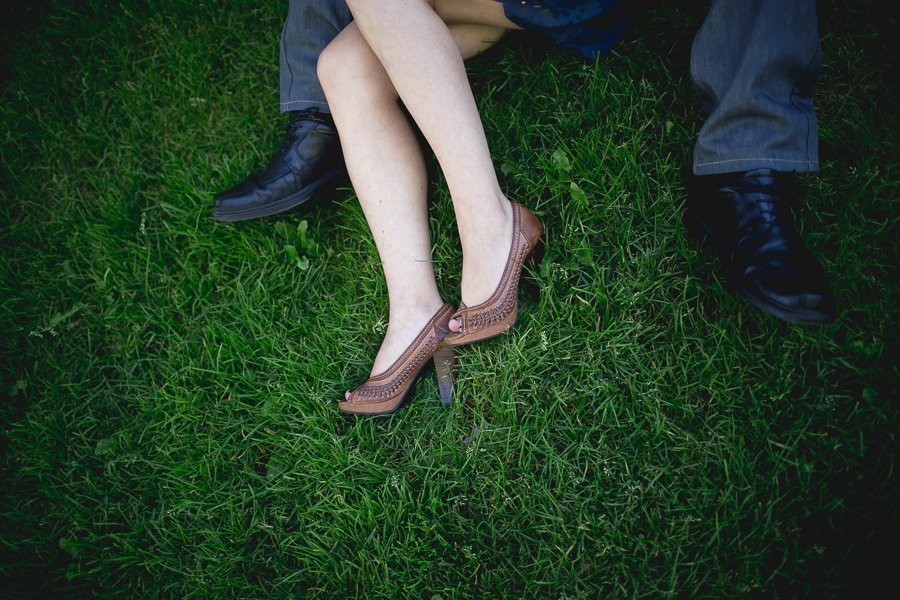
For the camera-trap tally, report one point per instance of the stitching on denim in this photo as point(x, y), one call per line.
point(283, 53)
point(695, 77)
point(287, 105)
point(721, 162)
point(793, 91)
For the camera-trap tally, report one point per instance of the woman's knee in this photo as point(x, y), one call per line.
point(349, 71)
point(339, 68)
point(328, 66)
point(475, 39)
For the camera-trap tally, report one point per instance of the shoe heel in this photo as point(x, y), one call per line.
point(694, 226)
point(445, 367)
point(530, 283)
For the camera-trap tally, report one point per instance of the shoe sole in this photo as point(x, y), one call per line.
point(280, 206)
point(703, 234)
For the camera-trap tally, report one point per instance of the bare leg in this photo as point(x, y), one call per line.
point(386, 166)
point(423, 62)
point(388, 172)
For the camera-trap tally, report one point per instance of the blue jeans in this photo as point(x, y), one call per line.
point(754, 64)
point(309, 27)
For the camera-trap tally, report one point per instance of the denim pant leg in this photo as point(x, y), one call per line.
point(309, 27)
point(754, 64)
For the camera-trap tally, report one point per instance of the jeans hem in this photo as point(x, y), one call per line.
point(301, 104)
point(748, 164)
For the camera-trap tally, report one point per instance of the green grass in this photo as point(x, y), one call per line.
point(169, 425)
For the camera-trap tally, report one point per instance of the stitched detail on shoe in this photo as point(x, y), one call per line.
point(481, 316)
point(401, 378)
point(398, 376)
point(498, 313)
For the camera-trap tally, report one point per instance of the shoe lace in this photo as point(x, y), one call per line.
point(307, 114)
point(769, 203)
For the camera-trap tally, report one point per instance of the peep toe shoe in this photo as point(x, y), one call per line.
point(499, 312)
point(386, 392)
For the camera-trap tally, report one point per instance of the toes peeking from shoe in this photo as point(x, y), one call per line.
point(453, 325)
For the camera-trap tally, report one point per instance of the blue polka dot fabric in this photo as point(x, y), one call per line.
point(590, 26)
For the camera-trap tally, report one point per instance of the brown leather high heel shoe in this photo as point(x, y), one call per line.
point(386, 392)
point(499, 312)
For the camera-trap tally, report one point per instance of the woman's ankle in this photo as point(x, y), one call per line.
point(494, 219)
point(412, 310)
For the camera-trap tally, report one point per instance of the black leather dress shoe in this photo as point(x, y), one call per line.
point(309, 156)
point(745, 215)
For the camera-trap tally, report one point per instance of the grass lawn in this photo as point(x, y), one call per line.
point(169, 424)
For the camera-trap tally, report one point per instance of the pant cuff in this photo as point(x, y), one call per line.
point(301, 104)
point(748, 164)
